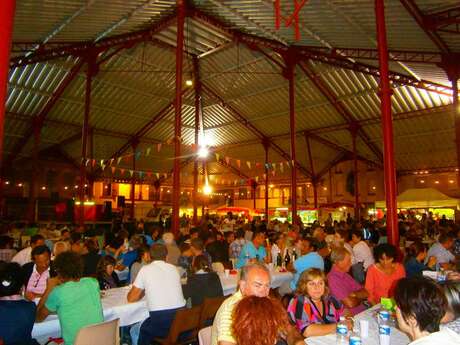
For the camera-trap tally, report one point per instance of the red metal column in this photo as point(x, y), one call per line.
point(133, 181)
point(91, 70)
point(290, 71)
point(7, 8)
point(91, 153)
point(353, 132)
point(33, 187)
point(451, 65)
point(254, 196)
point(178, 116)
point(203, 204)
point(387, 127)
point(456, 112)
point(312, 169)
point(196, 69)
point(266, 148)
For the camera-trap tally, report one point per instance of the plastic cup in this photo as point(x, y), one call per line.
point(227, 273)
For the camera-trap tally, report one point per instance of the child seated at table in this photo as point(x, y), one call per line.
point(17, 315)
point(106, 275)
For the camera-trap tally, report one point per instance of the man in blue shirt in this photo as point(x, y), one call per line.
point(254, 251)
point(309, 259)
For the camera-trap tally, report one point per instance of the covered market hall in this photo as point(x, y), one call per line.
point(229, 172)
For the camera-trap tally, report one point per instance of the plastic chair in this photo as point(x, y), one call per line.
point(204, 336)
point(104, 333)
point(209, 309)
point(184, 328)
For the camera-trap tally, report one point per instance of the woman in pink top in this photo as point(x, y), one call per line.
point(382, 277)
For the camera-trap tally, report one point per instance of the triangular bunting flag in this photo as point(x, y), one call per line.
point(257, 178)
point(149, 174)
point(248, 164)
point(113, 170)
point(111, 161)
point(119, 160)
point(157, 175)
point(238, 162)
point(131, 172)
point(138, 154)
point(122, 172)
point(217, 157)
point(93, 163)
point(87, 162)
point(147, 152)
point(281, 167)
point(227, 160)
point(159, 147)
point(165, 175)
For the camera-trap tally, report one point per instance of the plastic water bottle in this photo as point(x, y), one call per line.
point(342, 332)
point(384, 334)
point(355, 339)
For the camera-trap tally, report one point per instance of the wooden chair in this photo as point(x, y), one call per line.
point(104, 333)
point(184, 328)
point(209, 309)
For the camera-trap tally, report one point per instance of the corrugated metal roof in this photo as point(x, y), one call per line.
point(135, 84)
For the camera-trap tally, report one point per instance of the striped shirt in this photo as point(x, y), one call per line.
point(222, 326)
point(37, 281)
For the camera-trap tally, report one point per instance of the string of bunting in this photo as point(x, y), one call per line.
point(114, 163)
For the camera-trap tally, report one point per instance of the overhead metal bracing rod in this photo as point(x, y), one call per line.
point(262, 137)
point(78, 49)
point(339, 107)
point(418, 16)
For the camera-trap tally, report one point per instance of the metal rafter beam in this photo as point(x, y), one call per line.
point(441, 19)
point(234, 170)
point(329, 129)
point(339, 158)
point(339, 107)
point(146, 128)
point(262, 137)
point(78, 49)
point(339, 148)
point(39, 120)
point(395, 77)
point(372, 54)
point(420, 18)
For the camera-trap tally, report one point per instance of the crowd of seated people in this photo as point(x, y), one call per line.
point(339, 269)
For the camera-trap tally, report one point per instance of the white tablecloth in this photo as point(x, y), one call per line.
point(230, 283)
point(114, 304)
point(396, 336)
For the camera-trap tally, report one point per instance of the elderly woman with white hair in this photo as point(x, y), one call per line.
point(173, 251)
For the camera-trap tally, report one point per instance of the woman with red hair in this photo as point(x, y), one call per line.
point(263, 321)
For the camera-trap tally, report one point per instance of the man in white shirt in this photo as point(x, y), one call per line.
point(361, 250)
point(25, 255)
point(161, 285)
point(440, 250)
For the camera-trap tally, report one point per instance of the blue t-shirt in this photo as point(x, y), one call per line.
point(305, 262)
point(249, 250)
point(414, 268)
point(129, 258)
point(16, 321)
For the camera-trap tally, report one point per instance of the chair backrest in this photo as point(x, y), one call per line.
point(104, 333)
point(204, 336)
point(186, 320)
point(209, 309)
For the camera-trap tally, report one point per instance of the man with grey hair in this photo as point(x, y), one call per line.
point(254, 281)
point(160, 282)
point(342, 285)
point(171, 246)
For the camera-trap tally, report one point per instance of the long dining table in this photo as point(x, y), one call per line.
point(115, 305)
